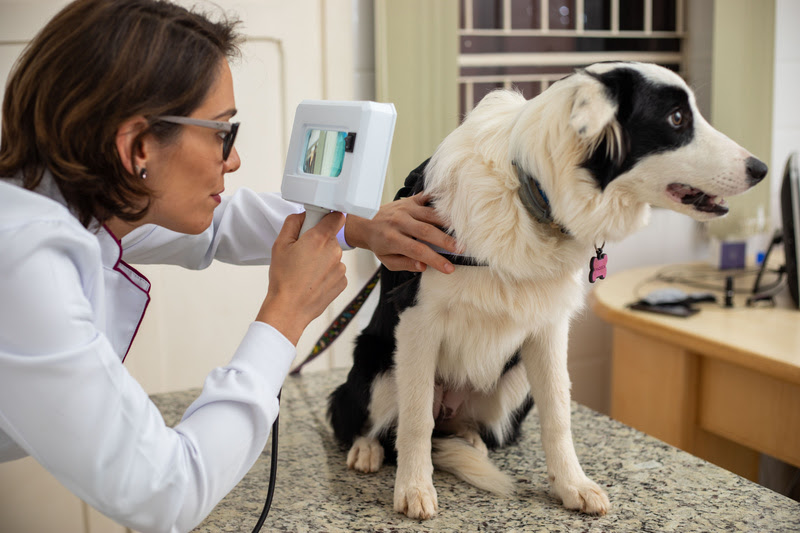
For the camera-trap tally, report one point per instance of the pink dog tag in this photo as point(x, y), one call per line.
point(597, 266)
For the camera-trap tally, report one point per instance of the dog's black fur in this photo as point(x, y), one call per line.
point(642, 106)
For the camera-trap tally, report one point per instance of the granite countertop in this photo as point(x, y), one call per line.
point(653, 486)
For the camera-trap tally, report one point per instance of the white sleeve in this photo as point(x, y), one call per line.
point(244, 229)
point(229, 423)
point(66, 399)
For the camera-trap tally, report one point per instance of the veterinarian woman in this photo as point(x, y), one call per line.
point(116, 124)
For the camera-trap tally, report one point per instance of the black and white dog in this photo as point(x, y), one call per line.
point(531, 190)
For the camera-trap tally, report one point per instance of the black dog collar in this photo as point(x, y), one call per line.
point(463, 260)
point(456, 259)
point(535, 200)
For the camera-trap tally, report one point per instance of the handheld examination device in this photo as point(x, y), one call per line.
point(337, 158)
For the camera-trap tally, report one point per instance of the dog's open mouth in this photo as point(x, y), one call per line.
point(700, 201)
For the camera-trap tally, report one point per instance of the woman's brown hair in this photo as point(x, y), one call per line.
point(94, 65)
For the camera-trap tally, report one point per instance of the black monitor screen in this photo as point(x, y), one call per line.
point(790, 213)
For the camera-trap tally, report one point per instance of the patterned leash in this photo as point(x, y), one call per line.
point(342, 321)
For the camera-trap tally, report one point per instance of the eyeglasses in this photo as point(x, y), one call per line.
point(229, 128)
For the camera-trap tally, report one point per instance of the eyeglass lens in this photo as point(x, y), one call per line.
point(227, 141)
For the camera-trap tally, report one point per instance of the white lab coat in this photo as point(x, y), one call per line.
point(69, 308)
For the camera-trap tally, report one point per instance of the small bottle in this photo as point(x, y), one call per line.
point(728, 291)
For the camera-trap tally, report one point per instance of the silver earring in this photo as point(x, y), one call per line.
point(143, 173)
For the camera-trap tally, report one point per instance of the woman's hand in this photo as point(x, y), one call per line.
point(395, 233)
point(305, 275)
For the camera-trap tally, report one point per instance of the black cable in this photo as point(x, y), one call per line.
point(766, 294)
point(758, 288)
point(273, 466)
point(708, 278)
point(777, 238)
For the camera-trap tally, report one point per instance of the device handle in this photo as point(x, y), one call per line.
point(313, 215)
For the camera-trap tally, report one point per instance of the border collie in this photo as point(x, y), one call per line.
point(450, 364)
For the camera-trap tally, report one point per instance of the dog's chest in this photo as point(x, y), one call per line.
point(473, 356)
point(482, 321)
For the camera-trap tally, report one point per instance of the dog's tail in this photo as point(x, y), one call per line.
point(463, 460)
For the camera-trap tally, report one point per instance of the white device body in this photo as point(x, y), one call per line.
point(353, 183)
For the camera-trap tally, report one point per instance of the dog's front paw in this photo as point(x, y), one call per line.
point(584, 495)
point(416, 500)
point(366, 455)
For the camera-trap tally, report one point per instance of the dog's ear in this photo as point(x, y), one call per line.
point(594, 117)
point(593, 108)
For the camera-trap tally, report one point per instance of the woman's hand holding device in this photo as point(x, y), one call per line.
point(306, 274)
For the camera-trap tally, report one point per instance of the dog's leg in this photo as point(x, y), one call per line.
point(545, 359)
point(415, 360)
point(367, 454)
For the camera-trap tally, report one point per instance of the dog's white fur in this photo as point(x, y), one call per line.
point(528, 293)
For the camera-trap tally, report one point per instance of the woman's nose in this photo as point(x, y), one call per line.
point(233, 162)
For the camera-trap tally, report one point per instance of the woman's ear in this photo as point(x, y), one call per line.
point(132, 157)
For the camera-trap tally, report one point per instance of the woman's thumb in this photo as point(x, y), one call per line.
point(332, 223)
point(291, 227)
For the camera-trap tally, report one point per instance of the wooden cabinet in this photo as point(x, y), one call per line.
point(723, 384)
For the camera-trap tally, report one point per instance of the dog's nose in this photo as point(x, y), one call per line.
point(756, 170)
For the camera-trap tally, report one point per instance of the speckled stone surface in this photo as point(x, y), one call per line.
point(653, 487)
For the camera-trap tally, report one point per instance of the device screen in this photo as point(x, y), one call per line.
point(324, 153)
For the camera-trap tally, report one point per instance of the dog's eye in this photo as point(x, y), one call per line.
point(676, 118)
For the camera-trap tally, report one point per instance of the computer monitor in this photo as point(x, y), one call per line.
point(790, 216)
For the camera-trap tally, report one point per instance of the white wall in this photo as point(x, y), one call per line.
point(786, 96)
point(364, 53)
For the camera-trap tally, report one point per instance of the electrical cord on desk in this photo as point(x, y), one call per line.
point(704, 277)
point(725, 283)
point(273, 466)
point(697, 277)
point(765, 294)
